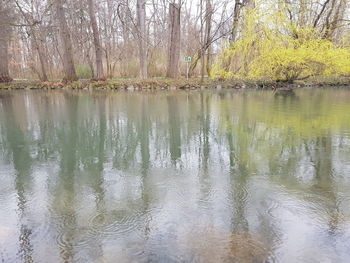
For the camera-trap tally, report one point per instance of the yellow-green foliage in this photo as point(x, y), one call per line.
point(273, 48)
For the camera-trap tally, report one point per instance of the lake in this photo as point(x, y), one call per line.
point(175, 176)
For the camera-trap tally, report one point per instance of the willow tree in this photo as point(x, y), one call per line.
point(281, 44)
point(238, 7)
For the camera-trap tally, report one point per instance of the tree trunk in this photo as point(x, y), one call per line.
point(208, 61)
point(236, 13)
point(174, 41)
point(337, 18)
point(141, 27)
point(43, 75)
point(207, 44)
point(68, 62)
point(4, 38)
point(97, 42)
point(110, 39)
point(35, 43)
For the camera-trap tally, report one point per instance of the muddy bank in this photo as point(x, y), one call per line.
point(168, 84)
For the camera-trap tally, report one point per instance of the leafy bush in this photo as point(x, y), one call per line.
point(263, 52)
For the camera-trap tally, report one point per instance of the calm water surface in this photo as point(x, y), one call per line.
point(203, 176)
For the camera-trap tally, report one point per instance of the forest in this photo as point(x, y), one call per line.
point(274, 40)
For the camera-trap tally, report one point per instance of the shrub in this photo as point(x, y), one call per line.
point(263, 52)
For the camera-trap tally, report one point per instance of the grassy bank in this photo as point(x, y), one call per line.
point(171, 84)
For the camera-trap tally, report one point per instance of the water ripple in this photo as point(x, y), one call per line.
point(116, 223)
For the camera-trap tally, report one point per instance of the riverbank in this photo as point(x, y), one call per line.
point(171, 84)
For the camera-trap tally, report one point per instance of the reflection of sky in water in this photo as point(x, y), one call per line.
point(175, 176)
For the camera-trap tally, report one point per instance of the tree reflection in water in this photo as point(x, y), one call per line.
point(175, 176)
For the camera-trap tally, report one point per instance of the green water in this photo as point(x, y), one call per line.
point(202, 176)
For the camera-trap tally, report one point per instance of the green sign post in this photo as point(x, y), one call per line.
point(187, 60)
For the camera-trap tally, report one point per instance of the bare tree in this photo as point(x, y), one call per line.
point(207, 34)
point(174, 40)
point(239, 5)
point(324, 17)
point(32, 31)
point(334, 17)
point(97, 42)
point(4, 39)
point(68, 62)
point(142, 41)
point(236, 14)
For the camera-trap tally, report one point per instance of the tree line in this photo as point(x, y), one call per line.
point(100, 39)
point(106, 39)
